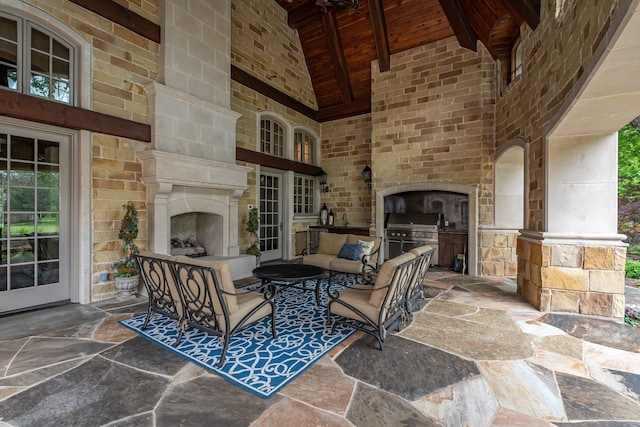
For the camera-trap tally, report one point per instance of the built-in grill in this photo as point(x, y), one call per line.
point(405, 231)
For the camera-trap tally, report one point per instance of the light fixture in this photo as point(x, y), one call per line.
point(366, 175)
point(322, 179)
point(338, 5)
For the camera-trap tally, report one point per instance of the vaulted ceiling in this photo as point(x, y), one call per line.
point(339, 45)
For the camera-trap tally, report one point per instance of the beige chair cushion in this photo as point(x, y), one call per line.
point(346, 266)
point(319, 260)
point(246, 303)
point(421, 250)
point(223, 273)
point(358, 299)
point(331, 243)
point(385, 275)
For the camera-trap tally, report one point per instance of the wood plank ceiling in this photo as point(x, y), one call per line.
point(339, 45)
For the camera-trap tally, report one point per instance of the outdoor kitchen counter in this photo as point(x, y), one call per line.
point(340, 229)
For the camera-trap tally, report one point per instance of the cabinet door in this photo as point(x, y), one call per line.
point(450, 246)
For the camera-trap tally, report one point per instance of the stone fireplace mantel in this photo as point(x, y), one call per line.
point(178, 184)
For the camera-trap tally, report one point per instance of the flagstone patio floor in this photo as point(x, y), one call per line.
point(475, 355)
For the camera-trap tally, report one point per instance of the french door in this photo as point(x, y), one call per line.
point(34, 230)
point(270, 216)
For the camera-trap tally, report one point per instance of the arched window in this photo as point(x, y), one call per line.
point(33, 61)
point(516, 59)
point(272, 137)
point(304, 147)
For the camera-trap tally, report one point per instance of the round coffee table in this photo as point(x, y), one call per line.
point(290, 275)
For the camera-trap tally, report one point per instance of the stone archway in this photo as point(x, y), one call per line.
point(469, 190)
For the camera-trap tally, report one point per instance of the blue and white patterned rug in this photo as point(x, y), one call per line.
point(255, 361)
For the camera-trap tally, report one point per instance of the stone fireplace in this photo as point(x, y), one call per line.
point(191, 165)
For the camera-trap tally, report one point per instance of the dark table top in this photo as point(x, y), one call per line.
point(288, 272)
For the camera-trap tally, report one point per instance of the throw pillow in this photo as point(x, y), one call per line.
point(366, 247)
point(350, 251)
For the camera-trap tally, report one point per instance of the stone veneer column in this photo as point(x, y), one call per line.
point(571, 276)
point(578, 264)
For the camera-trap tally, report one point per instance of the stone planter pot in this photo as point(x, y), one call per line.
point(127, 285)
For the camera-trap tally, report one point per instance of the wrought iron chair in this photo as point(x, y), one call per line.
point(414, 292)
point(376, 309)
point(212, 303)
point(157, 277)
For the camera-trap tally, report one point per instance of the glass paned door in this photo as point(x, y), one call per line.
point(31, 187)
point(270, 216)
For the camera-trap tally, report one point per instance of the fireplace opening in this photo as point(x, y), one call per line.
point(193, 234)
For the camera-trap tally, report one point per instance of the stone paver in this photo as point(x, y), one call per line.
point(475, 354)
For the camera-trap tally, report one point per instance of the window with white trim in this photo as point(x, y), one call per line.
point(272, 137)
point(516, 59)
point(303, 146)
point(35, 62)
point(303, 195)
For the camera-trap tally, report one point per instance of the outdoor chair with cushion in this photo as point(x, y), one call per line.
point(414, 292)
point(164, 297)
point(346, 253)
point(213, 304)
point(376, 309)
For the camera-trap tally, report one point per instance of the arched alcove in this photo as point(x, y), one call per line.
point(510, 184)
point(469, 190)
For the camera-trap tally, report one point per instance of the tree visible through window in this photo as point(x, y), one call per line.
point(34, 62)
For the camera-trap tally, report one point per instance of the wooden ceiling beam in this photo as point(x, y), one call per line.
point(337, 55)
point(527, 10)
point(263, 159)
point(300, 14)
point(246, 79)
point(380, 37)
point(122, 16)
point(460, 24)
point(354, 108)
point(41, 110)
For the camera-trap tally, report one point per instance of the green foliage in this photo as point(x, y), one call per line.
point(633, 249)
point(128, 233)
point(632, 316)
point(253, 226)
point(629, 163)
point(632, 269)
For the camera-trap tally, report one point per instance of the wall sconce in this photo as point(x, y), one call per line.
point(366, 175)
point(322, 179)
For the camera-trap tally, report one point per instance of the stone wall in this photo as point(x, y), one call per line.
point(572, 278)
point(346, 150)
point(498, 255)
point(121, 64)
point(263, 45)
point(432, 119)
point(554, 56)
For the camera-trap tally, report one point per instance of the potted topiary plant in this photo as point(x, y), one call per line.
point(253, 226)
point(126, 273)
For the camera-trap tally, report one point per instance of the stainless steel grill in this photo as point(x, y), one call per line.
point(406, 231)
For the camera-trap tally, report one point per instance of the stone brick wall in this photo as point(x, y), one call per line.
point(346, 150)
point(554, 57)
point(497, 256)
point(572, 278)
point(122, 63)
point(263, 45)
point(432, 119)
